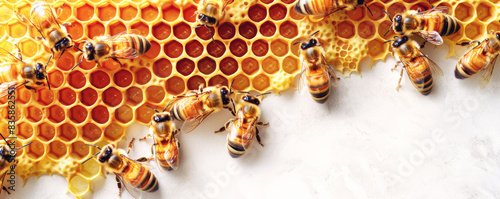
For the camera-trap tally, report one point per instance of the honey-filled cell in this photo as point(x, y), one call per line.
point(395, 8)
point(141, 27)
point(238, 47)
point(123, 78)
point(173, 49)
point(142, 76)
point(155, 94)
point(116, 28)
point(162, 31)
point(65, 62)
point(194, 48)
point(204, 32)
point(112, 97)
point(25, 130)
point(91, 132)
point(114, 131)
point(383, 27)
point(175, 85)
point(194, 82)
point(90, 169)
point(277, 12)
point(106, 13)
point(268, 29)
point(170, 12)
point(56, 114)
point(162, 67)
point(485, 11)
point(77, 79)
point(474, 30)
point(257, 13)
point(85, 12)
point(149, 13)
point(23, 95)
point(99, 79)
point(228, 66)
point(67, 96)
point(77, 114)
point(270, 65)
point(96, 29)
point(279, 48)
point(250, 65)
point(182, 30)
point(261, 82)
point(35, 150)
point(134, 95)
point(267, 1)
point(464, 12)
point(289, 29)
point(185, 66)
point(66, 132)
point(75, 30)
point(356, 14)
point(56, 79)
point(218, 80)
point(241, 82)
point(17, 30)
point(29, 48)
point(207, 65)
point(88, 96)
point(189, 13)
point(45, 96)
point(216, 48)
point(57, 149)
point(226, 30)
point(366, 29)
point(123, 114)
point(248, 30)
point(143, 114)
point(260, 48)
point(377, 11)
point(46, 132)
point(79, 150)
point(376, 48)
point(346, 30)
point(153, 51)
point(128, 12)
point(100, 114)
point(290, 65)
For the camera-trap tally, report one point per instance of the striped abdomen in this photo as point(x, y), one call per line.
point(131, 42)
point(471, 62)
point(240, 138)
point(167, 153)
point(442, 23)
point(189, 107)
point(322, 7)
point(139, 176)
point(420, 75)
point(319, 84)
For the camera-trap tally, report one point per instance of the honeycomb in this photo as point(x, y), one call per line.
point(253, 46)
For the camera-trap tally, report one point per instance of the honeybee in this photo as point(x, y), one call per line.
point(54, 35)
point(132, 174)
point(16, 72)
point(125, 45)
point(316, 74)
point(195, 106)
point(243, 128)
point(210, 12)
point(417, 65)
point(166, 147)
point(430, 24)
point(322, 8)
point(7, 160)
point(480, 58)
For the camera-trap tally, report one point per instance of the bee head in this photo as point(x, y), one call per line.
point(206, 20)
point(162, 117)
point(498, 35)
point(40, 72)
point(308, 44)
point(106, 153)
point(251, 99)
point(7, 153)
point(398, 41)
point(398, 25)
point(89, 51)
point(225, 94)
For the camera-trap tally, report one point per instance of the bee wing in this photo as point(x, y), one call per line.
point(486, 72)
point(432, 37)
point(135, 192)
point(334, 79)
point(249, 134)
point(301, 83)
point(121, 43)
point(225, 3)
point(191, 123)
point(171, 154)
point(153, 150)
point(5, 88)
point(44, 17)
point(439, 9)
point(436, 71)
point(1, 180)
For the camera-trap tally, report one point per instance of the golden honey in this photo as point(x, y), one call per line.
point(253, 46)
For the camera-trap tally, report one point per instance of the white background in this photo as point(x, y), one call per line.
point(367, 141)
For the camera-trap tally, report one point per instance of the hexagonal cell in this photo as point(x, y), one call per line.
point(75, 30)
point(185, 66)
point(114, 131)
point(124, 114)
point(46, 132)
point(85, 13)
point(153, 51)
point(357, 14)
point(17, 30)
point(346, 30)
point(260, 48)
point(35, 150)
point(288, 1)
point(295, 15)
point(226, 30)
point(175, 85)
point(65, 62)
point(161, 31)
point(194, 82)
point(258, 13)
point(116, 28)
point(376, 9)
point(382, 29)
point(66, 132)
point(279, 47)
point(149, 13)
point(123, 78)
point(216, 48)
point(261, 82)
point(241, 82)
point(182, 30)
point(266, 1)
point(250, 65)
point(134, 95)
point(277, 12)
point(77, 114)
point(268, 29)
point(143, 114)
point(228, 66)
point(143, 76)
point(57, 150)
point(6, 8)
point(45, 97)
point(493, 26)
point(485, 11)
point(25, 131)
point(106, 12)
point(128, 12)
point(56, 114)
point(218, 80)
point(90, 169)
point(112, 97)
point(474, 30)
point(194, 48)
point(29, 48)
point(99, 79)
point(238, 47)
point(100, 114)
point(170, 12)
point(422, 6)
point(56, 79)
point(96, 29)
point(366, 29)
point(207, 66)
point(162, 67)
point(91, 132)
point(173, 49)
point(23, 95)
point(77, 79)
point(155, 94)
point(290, 65)
point(141, 27)
point(270, 65)
point(376, 48)
point(79, 150)
point(67, 96)
point(88, 96)
point(464, 12)
point(248, 30)
point(189, 13)
point(110, 65)
point(396, 8)
point(204, 32)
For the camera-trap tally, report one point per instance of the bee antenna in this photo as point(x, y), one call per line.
point(47, 76)
point(314, 33)
point(152, 108)
point(368, 9)
point(168, 105)
point(231, 86)
point(211, 35)
point(390, 18)
point(91, 157)
point(297, 42)
point(94, 146)
point(81, 60)
point(390, 27)
point(263, 94)
point(388, 41)
point(241, 92)
point(11, 54)
point(78, 48)
point(22, 146)
point(6, 142)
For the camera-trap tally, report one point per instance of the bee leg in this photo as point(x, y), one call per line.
point(423, 44)
point(400, 77)
point(143, 159)
point(130, 145)
point(5, 189)
point(466, 43)
point(257, 134)
point(145, 137)
point(67, 24)
point(116, 60)
point(226, 125)
point(397, 63)
point(119, 184)
point(263, 124)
